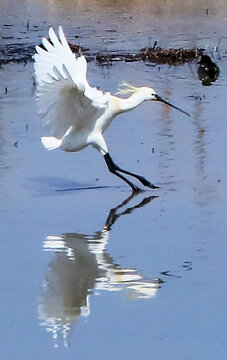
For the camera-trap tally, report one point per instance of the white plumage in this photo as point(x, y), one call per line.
point(76, 113)
point(63, 94)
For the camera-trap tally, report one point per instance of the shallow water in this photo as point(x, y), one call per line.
point(96, 273)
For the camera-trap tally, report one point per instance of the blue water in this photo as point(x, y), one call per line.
point(94, 273)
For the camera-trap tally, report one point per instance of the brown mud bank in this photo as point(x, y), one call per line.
point(23, 53)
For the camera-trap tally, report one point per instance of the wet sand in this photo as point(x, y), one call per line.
point(133, 277)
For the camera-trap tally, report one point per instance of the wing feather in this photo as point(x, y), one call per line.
point(63, 94)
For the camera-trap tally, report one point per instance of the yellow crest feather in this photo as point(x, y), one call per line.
point(127, 89)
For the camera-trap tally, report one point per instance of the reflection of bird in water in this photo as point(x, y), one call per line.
point(208, 71)
point(81, 267)
point(77, 113)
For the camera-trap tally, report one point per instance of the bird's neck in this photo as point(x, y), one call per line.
point(123, 105)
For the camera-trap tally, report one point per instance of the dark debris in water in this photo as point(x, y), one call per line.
point(156, 56)
point(16, 53)
point(170, 56)
point(23, 53)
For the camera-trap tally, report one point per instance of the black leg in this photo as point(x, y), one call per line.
point(114, 169)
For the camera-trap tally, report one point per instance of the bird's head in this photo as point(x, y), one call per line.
point(147, 94)
point(151, 95)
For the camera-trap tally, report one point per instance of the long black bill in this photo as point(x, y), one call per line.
point(158, 98)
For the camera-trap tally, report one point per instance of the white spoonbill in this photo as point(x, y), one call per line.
point(77, 113)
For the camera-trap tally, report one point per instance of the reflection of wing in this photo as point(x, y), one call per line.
point(64, 96)
point(108, 276)
point(81, 266)
point(68, 283)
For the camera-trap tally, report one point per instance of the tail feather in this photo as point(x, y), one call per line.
point(51, 142)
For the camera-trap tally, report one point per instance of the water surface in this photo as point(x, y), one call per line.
point(97, 273)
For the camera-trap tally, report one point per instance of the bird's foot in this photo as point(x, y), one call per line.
point(147, 183)
point(153, 186)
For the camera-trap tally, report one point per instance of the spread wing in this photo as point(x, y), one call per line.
point(64, 96)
